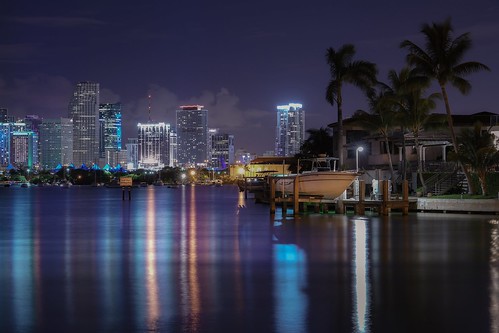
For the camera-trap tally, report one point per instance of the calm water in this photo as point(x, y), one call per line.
point(204, 259)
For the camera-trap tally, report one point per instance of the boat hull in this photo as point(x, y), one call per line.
point(329, 184)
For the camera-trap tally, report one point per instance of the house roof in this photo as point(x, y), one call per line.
point(272, 160)
point(485, 117)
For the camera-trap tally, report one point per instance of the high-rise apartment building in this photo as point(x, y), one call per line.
point(132, 153)
point(6, 131)
point(192, 135)
point(56, 141)
point(110, 128)
point(22, 149)
point(5, 117)
point(33, 122)
point(290, 130)
point(84, 111)
point(153, 145)
point(173, 148)
point(221, 149)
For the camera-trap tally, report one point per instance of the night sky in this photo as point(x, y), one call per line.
point(239, 59)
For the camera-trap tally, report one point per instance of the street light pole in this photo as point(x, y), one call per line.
point(359, 149)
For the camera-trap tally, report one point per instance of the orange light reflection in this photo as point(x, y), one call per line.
point(193, 273)
point(151, 278)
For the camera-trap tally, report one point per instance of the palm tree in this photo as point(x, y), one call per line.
point(403, 104)
point(477, 152)
point(381, 118)
point(416, 118)
point(343, 69)
point(406, 87)
point(440, 60)
point(319, 141)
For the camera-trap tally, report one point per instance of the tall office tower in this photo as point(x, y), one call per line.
point(122, 159)
point(4, 116)
point(243, 157)
point(132, 153)
point(110, 128)
point(153, 143)
point(173, 148)
point(84, 111)
point(22, 149)
point(192, 135)
point(290, 131)
point(221, 149)
point(33, 122)
point(6, 131)
point(56, 142)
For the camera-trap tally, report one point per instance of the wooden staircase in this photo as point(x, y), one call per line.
point(440, 183)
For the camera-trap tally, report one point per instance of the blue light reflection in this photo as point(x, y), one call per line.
point(289, 284)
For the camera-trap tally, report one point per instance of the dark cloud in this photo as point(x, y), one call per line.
point(45, 95)
point(57, 22)
point(239, 59)
point(18, 53)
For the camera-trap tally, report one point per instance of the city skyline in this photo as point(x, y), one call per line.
point(239, 60)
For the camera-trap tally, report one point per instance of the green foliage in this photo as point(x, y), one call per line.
point(477, 153)
point(441, 61)
point(171, 175)
point(343, 69)
point(319, 141)
point(492, 180)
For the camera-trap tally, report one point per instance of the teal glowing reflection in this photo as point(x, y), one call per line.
point(290, 283)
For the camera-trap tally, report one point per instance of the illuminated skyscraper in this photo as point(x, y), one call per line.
point(192, 135)
point(56, 141)
point(153, 145)
point(290, 131)
point(110, 126)
point(132, 153)
point(173, 148)
point(33, 122)
point(221, 149)
point(84, 111)
point(6, 132)
point(22, 149)
point(4, 116)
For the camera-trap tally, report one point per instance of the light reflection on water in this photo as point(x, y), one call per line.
point(204, 259)
point(361, 285)
point(289, 288)
point(152, 279)
point(22, 274)
point(193, 295)
point(494, 275)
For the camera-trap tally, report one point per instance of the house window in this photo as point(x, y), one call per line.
point(393, 149)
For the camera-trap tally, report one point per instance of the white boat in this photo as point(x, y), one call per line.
point(320, 179)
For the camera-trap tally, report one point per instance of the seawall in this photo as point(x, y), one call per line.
point(485, 206)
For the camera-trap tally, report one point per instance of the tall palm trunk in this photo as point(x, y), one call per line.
point(420, 163)
point(404, 156)
point(471, 189)
point(340, 128)
point(387, 145)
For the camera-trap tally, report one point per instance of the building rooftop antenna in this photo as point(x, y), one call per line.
point(149, 108)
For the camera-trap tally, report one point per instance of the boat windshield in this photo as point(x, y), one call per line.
point(319, 164)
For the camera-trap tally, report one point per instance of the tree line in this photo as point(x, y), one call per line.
point(404, 102)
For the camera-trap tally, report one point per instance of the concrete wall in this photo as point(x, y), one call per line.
point(459, 205)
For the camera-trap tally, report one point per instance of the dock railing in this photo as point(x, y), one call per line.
point(384, 206)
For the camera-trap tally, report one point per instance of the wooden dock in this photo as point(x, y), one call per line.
point(298, 202)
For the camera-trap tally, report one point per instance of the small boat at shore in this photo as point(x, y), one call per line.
point(320, 179)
